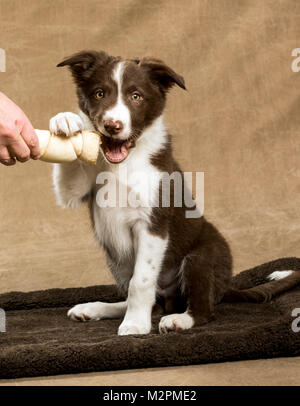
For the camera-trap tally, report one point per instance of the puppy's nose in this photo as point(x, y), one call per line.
point(113, 127)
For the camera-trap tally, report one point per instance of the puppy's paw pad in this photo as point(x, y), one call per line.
point(175, 322)
point(85, 312)
point(66, 123)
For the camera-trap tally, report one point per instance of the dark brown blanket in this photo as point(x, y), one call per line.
point(41, 340)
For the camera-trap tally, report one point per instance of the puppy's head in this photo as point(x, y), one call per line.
point(121, 97)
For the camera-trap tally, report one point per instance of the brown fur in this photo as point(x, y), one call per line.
point(197, 257)
point(197, 266)
point(263, 293)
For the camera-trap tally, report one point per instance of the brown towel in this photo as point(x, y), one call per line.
point(41, 340)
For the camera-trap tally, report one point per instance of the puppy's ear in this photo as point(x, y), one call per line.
point(162, 74)
point(83, 64)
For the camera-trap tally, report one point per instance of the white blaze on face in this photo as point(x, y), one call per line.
point(119, 112)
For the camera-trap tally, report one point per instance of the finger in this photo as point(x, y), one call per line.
point(5, 157)
point(19, 149)
point(31, 139)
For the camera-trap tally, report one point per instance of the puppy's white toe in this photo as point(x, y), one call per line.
point(85, 312)
point(175, 322)
point(127, 328)
point(66, 123)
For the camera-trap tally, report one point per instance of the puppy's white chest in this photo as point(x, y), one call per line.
point(122, 200)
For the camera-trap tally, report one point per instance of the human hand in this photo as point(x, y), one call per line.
point(18, 139)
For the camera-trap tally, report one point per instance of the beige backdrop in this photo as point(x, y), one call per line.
point(239, 123)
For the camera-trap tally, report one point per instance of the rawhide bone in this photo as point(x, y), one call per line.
point(84, 145)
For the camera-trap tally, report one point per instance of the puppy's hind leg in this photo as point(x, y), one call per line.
point(94, 311)
point(206, 274)
point(198, 286)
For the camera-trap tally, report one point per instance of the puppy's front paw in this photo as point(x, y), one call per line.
point(133, 327)
point(175, 322)
point(87, 312)
point(66, 123)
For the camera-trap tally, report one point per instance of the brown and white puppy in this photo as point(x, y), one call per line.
point(159, 257)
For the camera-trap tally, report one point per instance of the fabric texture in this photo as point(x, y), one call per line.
point(238, 123)
point(41, 340)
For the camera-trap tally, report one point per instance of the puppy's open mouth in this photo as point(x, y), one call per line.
point(116, 151)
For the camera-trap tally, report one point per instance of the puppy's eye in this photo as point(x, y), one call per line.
point(136, 96)
point(99, 94)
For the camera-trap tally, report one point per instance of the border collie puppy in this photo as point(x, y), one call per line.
point(161, 259)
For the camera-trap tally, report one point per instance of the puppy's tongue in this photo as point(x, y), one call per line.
point(115, 151)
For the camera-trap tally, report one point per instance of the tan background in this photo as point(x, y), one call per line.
point(238, 123)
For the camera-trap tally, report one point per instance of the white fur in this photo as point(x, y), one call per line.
point(72, 181)
point(150, 251)
point(277, 275)
point(97, 311)
point(86, 122)
point(123, 229)
point(120, 111)
point(113, 224)
point(67, 123)
point(180, 321)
